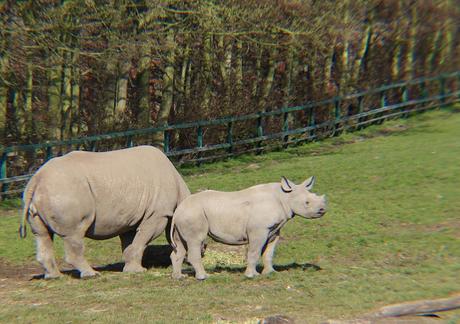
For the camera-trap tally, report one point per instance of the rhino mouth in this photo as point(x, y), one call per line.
point(321, 212)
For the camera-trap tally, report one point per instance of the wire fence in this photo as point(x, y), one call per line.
point(208, 140)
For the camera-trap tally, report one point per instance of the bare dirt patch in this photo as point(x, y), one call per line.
point(18, 272)
point(453, 225)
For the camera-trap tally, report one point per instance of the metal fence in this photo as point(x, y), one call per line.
point(254, 132)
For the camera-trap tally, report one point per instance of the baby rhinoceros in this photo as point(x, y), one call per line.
point(251, 216)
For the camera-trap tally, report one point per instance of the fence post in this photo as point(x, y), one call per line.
point(383, 104)
point(458, 85)
point(129, 141)
point(199, 142)
point(337, 115)
point(260, 132)
point(285, 129)
point(404, 99)
point(3, 161)
point(442, 90)
point(423, 90)
point(230, 137)
point(166, 139)
point(312, 123)
point(360, 111)
point(49, 153)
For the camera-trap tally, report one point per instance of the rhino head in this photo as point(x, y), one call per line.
point(301, 201)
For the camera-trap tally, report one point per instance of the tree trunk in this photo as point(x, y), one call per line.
point(328, 82)
point(239, 69)
point(363, 49)
point(397, 52)
point(289, 75)
point(256, 81)
point(345, 57)
point(122, 90)
point(27, 127)
point(225, 63)
point(75, 121)
point(430, 63)
point(183, 84)
point(446, 55)
point(225, 67)
point(207, 79)
point(110, 91)
point(3, 93)
point(144, 116)
point(12, 134)
point(188, 79)
point(54, 100)
point(268, 80)
point(66, 94)
point(412, 42)
point(168, 88)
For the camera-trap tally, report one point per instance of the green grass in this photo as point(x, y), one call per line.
point(391, 234)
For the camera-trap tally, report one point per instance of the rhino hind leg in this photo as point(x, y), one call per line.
point(178, 256)
point(45, 251)
point(74, 250)
point(148, 230)
point(194, 257)
point(193, 229)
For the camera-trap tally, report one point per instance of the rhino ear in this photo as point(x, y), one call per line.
point(309, 183)
point(287, 185)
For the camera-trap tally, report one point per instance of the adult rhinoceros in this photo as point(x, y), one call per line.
point(128, 193)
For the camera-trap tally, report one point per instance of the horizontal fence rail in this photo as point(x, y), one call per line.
point(318, 119)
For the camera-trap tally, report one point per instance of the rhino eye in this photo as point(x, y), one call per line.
point(307, 203)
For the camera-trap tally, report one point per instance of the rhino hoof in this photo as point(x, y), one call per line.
point(178, 276)
point(202, 276)
point(49, 276)
point(134, 268)
point(268, 271)
point(89, 274)
point(251, 275)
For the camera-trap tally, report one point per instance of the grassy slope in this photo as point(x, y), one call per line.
point(391, 234)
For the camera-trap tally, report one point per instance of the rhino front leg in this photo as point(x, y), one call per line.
point(268, 255)
point(148, 230)
point(74, 249)
point(257, 240)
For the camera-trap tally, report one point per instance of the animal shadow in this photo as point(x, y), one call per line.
point(155, 256)
point(278, 268)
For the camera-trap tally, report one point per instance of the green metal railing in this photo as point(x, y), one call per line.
point(319, 119)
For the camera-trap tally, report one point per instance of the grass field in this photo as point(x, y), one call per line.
point(391, 234)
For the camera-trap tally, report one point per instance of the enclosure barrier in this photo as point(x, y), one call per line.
point(319, 119)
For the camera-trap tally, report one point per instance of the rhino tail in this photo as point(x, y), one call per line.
point(171, 235)
point(27, 201)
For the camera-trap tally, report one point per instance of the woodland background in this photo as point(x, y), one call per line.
point(83, 67)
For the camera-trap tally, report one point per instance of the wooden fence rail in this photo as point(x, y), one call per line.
point(321, 118)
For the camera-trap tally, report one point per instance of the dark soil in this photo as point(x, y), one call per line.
point(22, 272)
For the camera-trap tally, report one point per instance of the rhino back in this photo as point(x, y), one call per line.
point(118, 187)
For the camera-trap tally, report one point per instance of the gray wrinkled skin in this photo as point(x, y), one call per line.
point(128, 193)
point(252, 216)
